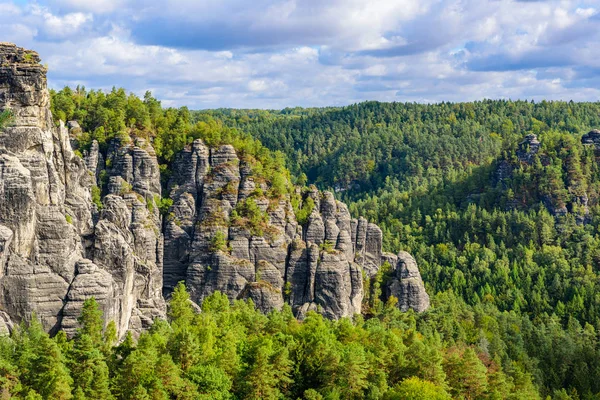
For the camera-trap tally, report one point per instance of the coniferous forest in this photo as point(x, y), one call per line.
point(503, 225)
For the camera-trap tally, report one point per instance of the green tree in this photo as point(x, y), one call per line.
point(466, 374)
point(41, 363)
point(87, 359)
point(417, 389)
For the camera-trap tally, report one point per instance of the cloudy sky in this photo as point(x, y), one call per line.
point(280, 53)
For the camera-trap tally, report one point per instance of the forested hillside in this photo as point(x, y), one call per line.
point(505, 232)
point(508, 229)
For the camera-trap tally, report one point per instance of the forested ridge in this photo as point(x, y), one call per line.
point(515, 238)
point(513, 278)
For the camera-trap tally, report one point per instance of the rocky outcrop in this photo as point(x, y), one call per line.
point(226, 230)
point(320, 265)
point(558, 206)
point(55, 250)
point(525, 152)
point(528, 148)
point(44, 196)
point(592, 138)
point(406, 283)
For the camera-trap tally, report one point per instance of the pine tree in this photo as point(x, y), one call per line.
point(89, 369)
point(41, 362)
point(500, 385)
point(466, 374)
point(417, 389)
point(181, 312)
point(88, 356)
point(91, 322)
point(268, 371)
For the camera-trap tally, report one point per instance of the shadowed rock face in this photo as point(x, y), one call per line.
point(58, 249)
point(592, 138)
point(528, 148)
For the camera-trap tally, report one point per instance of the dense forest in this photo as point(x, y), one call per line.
point(234, 351)
point(507, 229)
point(506, 237)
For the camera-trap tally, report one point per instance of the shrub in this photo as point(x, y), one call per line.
point(302, 214)
point(219, 242)
point(97, 197)
point(327, 246)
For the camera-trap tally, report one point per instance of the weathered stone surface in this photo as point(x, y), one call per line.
point(90, 281)
point(266, 297)
point(528, 148)
point(318, 266)
point(407, 285)
point(94, 161)
point(44, 195)
point(47, 229)
point(128, 241)
point(6, 324)
point(592, 138)
point(58, 249)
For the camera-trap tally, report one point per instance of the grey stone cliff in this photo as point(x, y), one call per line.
point(58, 247)
point(406, 284)
point(317, 266)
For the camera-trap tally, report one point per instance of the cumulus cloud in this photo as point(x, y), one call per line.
point(55, 27)
point(278, 53)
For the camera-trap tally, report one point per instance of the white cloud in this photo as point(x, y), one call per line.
point(278, 53)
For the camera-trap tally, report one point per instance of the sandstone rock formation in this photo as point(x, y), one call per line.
point(592, 138)
point(223, 232)
point(406, 284)
point(528, 148)
point(317, 266)
point(54, 252)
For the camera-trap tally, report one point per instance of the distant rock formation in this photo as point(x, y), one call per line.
point(592, 138)
point(406, 284)
point(525, 152)
point(58, 247)
point(528, 148)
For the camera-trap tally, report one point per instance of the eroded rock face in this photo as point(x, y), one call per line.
point(528, 148)
point(406, 283)
point(317, 266)
point(59, 248)
point(47, 228)
point(592, 138)
point(44, 196)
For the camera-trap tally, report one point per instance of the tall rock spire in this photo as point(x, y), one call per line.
point(47, 229)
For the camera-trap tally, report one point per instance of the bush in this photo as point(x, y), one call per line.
point(417, 389)
point(303, 214)
point(164, 205)
point(249, 215)
point(219, 242)
point(97, 197)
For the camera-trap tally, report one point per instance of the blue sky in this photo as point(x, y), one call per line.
point(285, 53)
